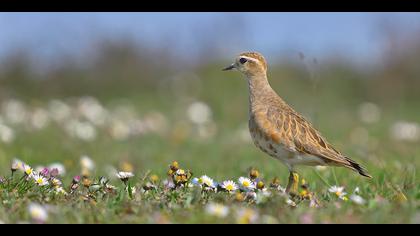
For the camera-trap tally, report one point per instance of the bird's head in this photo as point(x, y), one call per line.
point(250, 64)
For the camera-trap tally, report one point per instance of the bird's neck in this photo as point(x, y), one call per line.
point(259, 91)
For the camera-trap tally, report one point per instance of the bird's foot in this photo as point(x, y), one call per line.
point(292, 186)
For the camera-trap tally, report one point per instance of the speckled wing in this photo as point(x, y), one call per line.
point(296, 130)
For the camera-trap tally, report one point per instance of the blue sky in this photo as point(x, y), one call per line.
point(355, 35)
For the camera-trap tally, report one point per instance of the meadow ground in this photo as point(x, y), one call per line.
point(201, 122)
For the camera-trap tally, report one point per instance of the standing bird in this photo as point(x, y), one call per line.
point(280, 131)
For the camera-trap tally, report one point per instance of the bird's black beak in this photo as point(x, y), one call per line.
point(229, 67)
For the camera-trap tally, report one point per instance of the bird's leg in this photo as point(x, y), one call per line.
point(292, 186)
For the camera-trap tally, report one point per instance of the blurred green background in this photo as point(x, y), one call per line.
point(147, 89)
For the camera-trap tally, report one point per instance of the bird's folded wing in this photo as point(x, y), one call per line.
point(294, 130)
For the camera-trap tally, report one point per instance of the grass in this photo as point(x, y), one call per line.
point(392, 195)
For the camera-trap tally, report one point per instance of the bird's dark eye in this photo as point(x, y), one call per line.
point(243, 60)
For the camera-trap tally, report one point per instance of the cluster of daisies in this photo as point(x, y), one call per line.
point(181, 177)
point(251, 188)
point(45, 176)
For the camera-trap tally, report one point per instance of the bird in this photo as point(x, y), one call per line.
point(280, 131)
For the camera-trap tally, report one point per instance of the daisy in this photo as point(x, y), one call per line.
point(124, 176)
point(17, 165)
point(28, 170)
point(87, 163)
point(339, 191)
point(40, 180)
point(38, 213)
point(217, 209)
point(229, 186)
point(357, 199)
point(246, 184)
point(207, 181)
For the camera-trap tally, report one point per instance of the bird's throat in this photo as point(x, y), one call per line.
point(259, 90)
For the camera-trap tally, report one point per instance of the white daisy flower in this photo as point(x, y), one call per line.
point(40, 180)
point(229, 186)
point(37, 212)
point(28, 170)
point(339, 191)
point(216, 209)
point(124, 176)
point(87, 163)
point(206, 181)
point(246, 184)
point(17, 165)
point(357, 199)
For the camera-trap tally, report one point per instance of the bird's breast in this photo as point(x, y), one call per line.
point(268, 141)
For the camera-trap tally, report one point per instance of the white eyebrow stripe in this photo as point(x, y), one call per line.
point(250, 58)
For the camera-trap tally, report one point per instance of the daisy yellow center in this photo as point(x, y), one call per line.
point(29, 171)
point(219, 210)
point(40, 181)
point(229, 187)
point(36, 213)
point(338, 193)
point(246, 183)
